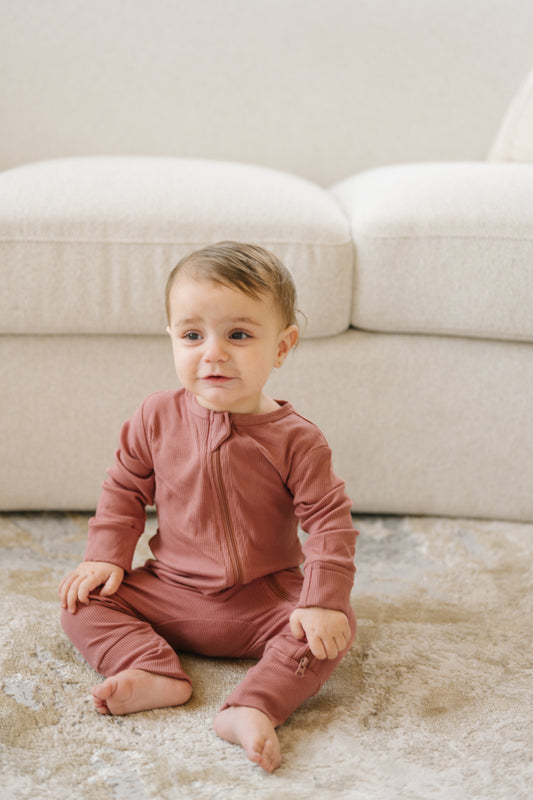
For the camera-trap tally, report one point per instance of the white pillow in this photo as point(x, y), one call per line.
point(514, 141)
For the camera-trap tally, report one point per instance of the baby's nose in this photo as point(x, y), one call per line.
point(215, 350)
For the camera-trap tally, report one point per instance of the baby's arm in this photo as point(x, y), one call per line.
point(327, 630)
point(79, 583)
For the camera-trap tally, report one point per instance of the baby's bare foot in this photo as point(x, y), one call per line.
point(253, 730)
point(137, 690)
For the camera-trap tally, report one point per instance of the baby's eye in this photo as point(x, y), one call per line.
point(192, 336)
point(239, 336)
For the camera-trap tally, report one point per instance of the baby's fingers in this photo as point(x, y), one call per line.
point(328, 645)
point(65, 588)
point(69, 595)
point(85, 587)
point(317, 647)
point(112, 583)
point(75, 588)
point(329, 648)
point(341, 640)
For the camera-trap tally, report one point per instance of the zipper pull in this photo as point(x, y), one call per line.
point(302, 665)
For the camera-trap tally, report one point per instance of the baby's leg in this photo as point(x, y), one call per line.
point(117, 640)
point(286, 675)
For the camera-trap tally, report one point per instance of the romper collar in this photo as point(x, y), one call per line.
point(237, 420)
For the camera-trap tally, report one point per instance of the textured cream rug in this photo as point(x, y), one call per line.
point(434, 701)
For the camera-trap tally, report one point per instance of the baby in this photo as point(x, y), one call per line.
point(232, 472)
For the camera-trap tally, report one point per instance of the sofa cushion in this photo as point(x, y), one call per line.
point(443, 249)
point(86, 244)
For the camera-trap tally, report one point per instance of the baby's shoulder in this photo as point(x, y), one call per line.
point(162, 405)
point(301, 432)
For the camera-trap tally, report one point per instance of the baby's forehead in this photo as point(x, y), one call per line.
point(190, 284)
point(203, 301)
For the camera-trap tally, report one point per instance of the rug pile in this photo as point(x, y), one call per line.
point(433, 701)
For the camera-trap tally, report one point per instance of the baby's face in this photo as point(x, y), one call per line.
point(225, 344)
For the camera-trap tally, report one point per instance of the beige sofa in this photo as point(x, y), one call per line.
point(382, 150)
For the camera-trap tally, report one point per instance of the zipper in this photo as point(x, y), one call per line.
point(302, 664)
point(226, 519)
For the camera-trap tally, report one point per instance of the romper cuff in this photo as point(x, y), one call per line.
point(326, 586)
point(111, 546)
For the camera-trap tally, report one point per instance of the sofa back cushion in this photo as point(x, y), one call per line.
point(86, 245)
point(443, 249)
point(514, 141)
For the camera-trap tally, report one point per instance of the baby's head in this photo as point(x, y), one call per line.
point(247, 268)
point(232, 319)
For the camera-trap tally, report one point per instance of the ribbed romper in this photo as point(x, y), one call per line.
point(230, 491)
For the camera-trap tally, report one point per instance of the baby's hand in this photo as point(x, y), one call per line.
point(327, 630)
point(79, 583)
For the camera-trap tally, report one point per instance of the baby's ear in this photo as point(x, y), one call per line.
point(168, 331)
point(287, 340)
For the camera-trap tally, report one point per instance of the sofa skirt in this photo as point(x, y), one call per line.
point(418, 424)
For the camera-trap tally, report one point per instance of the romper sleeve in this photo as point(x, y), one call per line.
point(324, 513)
point(130, 486)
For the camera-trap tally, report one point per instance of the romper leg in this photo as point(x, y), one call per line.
point(286, 676)
point(287, 673)
point(115, 633)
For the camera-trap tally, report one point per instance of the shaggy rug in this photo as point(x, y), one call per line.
point(433, 701)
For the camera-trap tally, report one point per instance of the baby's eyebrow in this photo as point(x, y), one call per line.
point(245, 321)
point(187, 321)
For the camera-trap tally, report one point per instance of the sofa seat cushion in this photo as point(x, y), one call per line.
point(443, 248)
point(86, 244)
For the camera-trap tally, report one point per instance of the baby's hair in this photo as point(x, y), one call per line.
point(249, 268)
